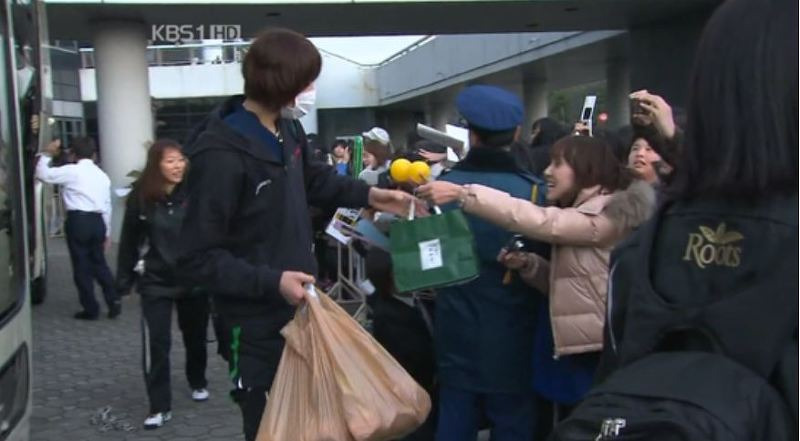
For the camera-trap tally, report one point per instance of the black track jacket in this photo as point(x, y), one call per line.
point(247, 218)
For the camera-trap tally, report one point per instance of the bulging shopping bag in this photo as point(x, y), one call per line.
point(303, 403)
point(353, 389)
point(433, 251)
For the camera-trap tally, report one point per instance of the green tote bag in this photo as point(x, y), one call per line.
point(432, 252)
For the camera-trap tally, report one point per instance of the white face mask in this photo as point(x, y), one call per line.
point(302, 105)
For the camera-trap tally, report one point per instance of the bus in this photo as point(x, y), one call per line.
point(25, 115)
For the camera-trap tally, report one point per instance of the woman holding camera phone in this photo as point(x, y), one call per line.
point(655, 146)
point(593, 209)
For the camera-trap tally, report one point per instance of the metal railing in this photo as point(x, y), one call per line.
point(184, 54)
point(350, 273)
point(188, 54)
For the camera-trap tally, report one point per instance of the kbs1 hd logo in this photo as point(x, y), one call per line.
point(180, 33)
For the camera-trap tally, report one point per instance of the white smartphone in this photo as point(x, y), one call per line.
point(587, 112)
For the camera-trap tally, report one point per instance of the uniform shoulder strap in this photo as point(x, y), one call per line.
point(538, 189)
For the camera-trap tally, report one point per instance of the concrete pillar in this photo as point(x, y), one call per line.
point(399, 124)
point(618, 82)
point(428, 110)
point(536, 105)
point(441, 113)
point(667, 76)
point(124, 115)
point(517, 87)
point(440, 107)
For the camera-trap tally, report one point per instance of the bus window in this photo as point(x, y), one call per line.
point(10, 292)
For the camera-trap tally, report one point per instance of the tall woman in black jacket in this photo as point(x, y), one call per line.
point(153, 218)
point(717, 265)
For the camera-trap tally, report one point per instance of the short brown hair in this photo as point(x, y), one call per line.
point(279, 64)
point(380, 151)
point(593, 161)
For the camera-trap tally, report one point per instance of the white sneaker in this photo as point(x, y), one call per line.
point(157, 420)
point(200, 394)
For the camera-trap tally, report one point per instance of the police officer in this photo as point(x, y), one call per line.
point(484, 329)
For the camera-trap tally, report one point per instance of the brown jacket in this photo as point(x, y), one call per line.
point(582, 237)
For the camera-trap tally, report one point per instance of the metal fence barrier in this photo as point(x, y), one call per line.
point(347, 290)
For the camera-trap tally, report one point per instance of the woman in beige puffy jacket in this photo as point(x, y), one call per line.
point(594, 207)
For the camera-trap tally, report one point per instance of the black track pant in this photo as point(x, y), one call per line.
point(157, 337)
point(252, 403)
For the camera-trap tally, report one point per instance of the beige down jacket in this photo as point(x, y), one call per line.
point(582, 237)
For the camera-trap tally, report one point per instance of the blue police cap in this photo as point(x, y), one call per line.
point(490, 108)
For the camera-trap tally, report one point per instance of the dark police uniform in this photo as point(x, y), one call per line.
point(485, 328)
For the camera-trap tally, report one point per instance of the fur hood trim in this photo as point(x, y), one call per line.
point(632, 206)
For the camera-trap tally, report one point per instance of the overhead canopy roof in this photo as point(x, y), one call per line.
point(72, 19)
point(369, 50)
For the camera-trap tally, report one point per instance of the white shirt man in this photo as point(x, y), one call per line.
point(84, 186)
point(87, 198)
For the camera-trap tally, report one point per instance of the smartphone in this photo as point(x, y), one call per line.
point(516, 243)
point(587, 113)
point(636, 107)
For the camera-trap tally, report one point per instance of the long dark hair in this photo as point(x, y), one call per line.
point(741, 136)
point(151, 184)
point(593, 161)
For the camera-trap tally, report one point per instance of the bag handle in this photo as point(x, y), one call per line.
point(312, 292)
point(413, 206)
point(312, 297)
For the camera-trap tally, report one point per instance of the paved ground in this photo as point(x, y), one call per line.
point(81, 367)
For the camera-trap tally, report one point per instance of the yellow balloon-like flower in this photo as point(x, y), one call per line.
point(400, 170)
